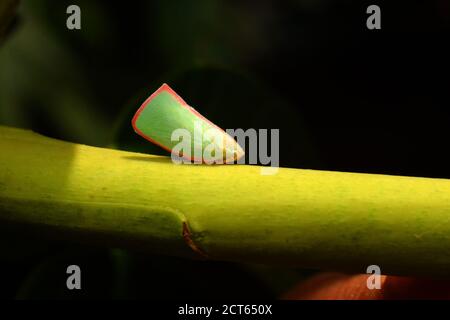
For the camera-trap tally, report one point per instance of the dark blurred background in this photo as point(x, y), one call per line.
point(344, 98)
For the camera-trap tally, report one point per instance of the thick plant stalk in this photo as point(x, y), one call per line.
point(315, 219)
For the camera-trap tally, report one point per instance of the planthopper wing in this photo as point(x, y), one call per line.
point(168, 121)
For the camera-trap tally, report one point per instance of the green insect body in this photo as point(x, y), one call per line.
point(168, 121)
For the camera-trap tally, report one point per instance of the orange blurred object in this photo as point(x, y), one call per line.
point(338, 286)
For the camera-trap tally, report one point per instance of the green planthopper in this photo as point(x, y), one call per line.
point(168, 121)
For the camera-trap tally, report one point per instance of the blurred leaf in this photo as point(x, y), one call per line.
point(48, 278)
point(7, 13)
point(37, 68)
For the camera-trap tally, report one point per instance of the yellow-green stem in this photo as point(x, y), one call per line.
point(315, 219)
